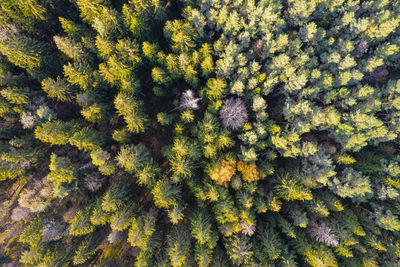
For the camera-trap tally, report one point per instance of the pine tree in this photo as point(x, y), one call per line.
point(69, 47)
point(58, 89)
point(121, 219)
point(61, 170)
point(73, 29)
point(30, 55)
point(181, 34)
point(81, 224)
point(201, 227)
point(87, 139)
point(142, 232)
point(165, 194)
point(131, 109)
point(17, 96)
point(94, 113)
point(351, 184)
point(387, 220)
point(179, 245)
point(103, 160)
point(90, 9)
point(239, 250)
point(56, 133)
point(290, 189)
point(99, 216)
point(79, 74)
point(86, 249)
point(31, 234)
point(133, 158)
point(268, 245)
point(116, 196)
point(203, 255)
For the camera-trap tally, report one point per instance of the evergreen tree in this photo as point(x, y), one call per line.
point(239, 250)
point(259, 133)
point(56, 133)
point(179, 246)
point(86, 249)
point(132, 112)
point(30, 55)
point(59, 89)
point(116, 196)
point(81, 224)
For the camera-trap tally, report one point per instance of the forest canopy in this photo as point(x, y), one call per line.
point(200, 133)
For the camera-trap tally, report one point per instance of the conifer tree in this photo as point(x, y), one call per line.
point(131, 109)
point(69, 47)
point(81, 224)
point(201, 227)
point(116, 196)
point(239, 250)
point(244, 133)
point(56, 133)
point(179, 246)
point(59, 89)
point(30, 55)
point(86, 249)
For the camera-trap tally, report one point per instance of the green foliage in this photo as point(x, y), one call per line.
point(29, 54)
point(201, 227)
point(81, 224)
point(132, 112)
point(201, 133)
point(179, 245)
point(94, 113)
point(103, 160)
point(165, 194)
point(31, 233)
point(55, 133)
point(69, 47)
point(16, 95)
point(239, 250)
point(59, 89)
point(351, 184)
point(86, 249)
point(99, 216)
point(387, 220)
point(290, 189)
point(133, 158)
point(181, 35)
point(61, 169)
point(116, 196)
point(142, 232)
point(87, 139)
point(79, 74)
point(268, 245)
point(121, 219)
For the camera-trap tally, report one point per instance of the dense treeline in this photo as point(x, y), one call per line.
point(199, 133)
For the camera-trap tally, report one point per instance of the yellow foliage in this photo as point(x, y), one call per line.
point(376, 244)
point(178, 128)
point(396, 248)
point(369, 262)
point(222, 173)
point(338, 205)
point(393, 182)
point(345, 159)
point(359, 231)
point(344, 251)
point(187, 116)
point(249, 171)
point(274, 204)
